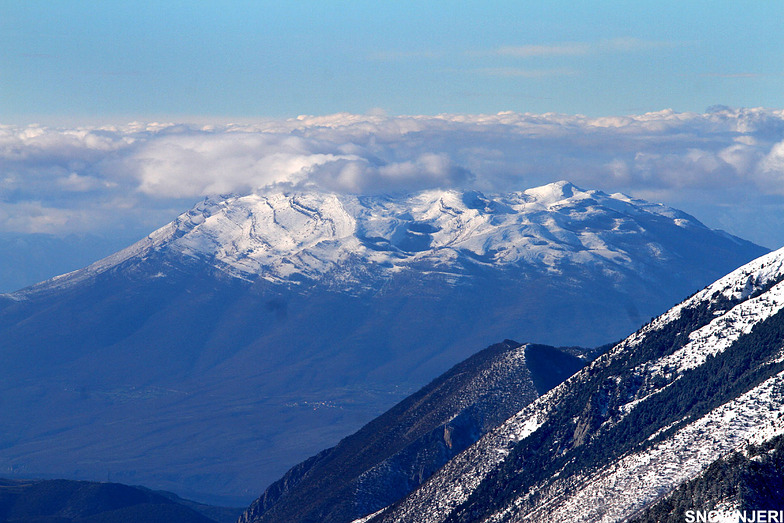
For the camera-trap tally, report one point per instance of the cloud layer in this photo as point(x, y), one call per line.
point(720, 165)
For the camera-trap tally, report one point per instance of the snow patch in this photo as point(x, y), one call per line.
point(723, 331)
point(300, 235)
point(618, 490)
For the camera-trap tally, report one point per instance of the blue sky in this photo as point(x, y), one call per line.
point(82, 84)
point(86, 61)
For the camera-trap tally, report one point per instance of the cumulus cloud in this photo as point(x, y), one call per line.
point(82, 183)
point(362, 175)
point(241, 161)
point(770, 169)
point(202, 164)
point(36, 217)
point(66, 179)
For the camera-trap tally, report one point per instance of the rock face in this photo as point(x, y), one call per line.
point(699, 382)
point(394, 453)
point(255, 330)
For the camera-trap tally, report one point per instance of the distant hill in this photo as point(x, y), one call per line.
point(63, 501)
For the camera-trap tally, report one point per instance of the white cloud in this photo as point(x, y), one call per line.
point(393, 56)
point(360, 175)
point(525, 73)
point(202, 164)
point(743, 157)
point(66, 179)
point(562, 49)
point(36, 217)
point(615, 45)
point(78, 183)
point(629, 44)
point(770, 171)
point(731, 75)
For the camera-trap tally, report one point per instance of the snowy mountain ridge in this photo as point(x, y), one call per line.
point(344, 239)
point(739, 284)
point(740, 312)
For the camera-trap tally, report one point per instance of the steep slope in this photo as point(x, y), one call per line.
point(745, 481)
point(255, 330)
point(691, 386)
point(394, 453)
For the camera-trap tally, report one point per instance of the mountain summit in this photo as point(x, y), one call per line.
point(355, 243)
point(255, 330)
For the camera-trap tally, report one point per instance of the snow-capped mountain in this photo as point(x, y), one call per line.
point(354, 243)
point(701, 381)
point(255, 330)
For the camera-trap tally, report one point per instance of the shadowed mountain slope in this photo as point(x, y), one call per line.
point(394, 453)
